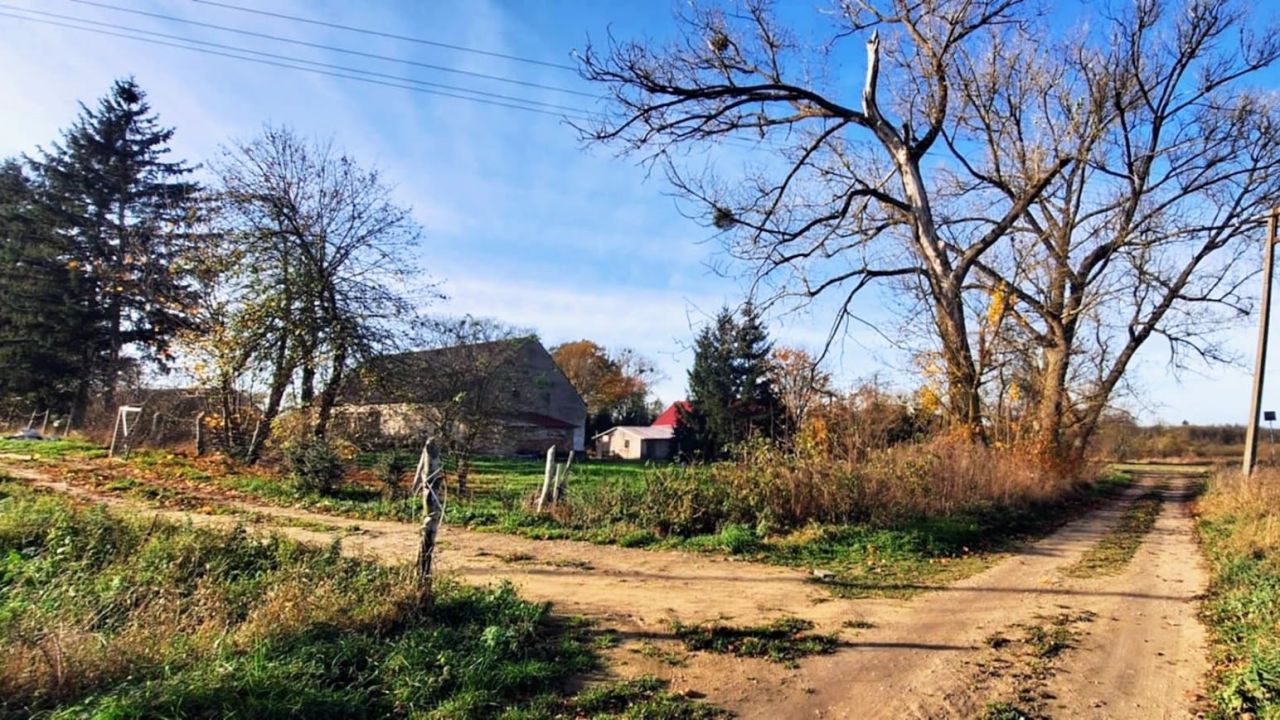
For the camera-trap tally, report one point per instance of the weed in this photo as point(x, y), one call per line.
point(1003, 711)
point(996, 641)
point(858, 624)
point(785, 640)
point(1114, 551)
point(643, 697)
point(668, 657)
point(637, 538)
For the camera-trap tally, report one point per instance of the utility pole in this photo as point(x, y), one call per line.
point(1260, 363)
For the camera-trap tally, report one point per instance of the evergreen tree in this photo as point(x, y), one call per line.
point(756, 411)
point(731, 396)
point(40, 317)
point(108, 188)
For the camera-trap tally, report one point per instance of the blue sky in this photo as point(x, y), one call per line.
point(521, 222)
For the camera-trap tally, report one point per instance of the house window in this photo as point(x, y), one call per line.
point(626, 444)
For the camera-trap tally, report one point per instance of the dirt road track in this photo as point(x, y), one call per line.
point(1143, 656)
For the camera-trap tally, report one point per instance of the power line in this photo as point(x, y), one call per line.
point(330, 48)
point(287, 58)
point(393, 36)
point(358, 78)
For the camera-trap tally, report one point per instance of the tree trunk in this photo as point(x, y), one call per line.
point(1052, 401)
point(329, 396)
point(279, 381)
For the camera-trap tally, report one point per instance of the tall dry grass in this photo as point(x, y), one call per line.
point(776, 489)
point(1239, 526)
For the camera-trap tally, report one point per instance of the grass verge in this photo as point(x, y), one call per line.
point(1239, 528)
point(113, 616)
point(1114, 551)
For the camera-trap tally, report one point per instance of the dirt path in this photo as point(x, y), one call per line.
point(1141, 656)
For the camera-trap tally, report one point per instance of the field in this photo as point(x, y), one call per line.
point(625, 504)
point(104, 615)
point(734, 582)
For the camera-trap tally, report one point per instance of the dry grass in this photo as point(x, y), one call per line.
point(1240, 531)
point(934, 478)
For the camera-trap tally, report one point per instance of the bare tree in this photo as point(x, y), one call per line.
point(1096, 185)
point(853, 195)
point(316, 268)
point(1148, 234)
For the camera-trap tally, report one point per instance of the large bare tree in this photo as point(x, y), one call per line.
point(317, 272)
point(978, 138)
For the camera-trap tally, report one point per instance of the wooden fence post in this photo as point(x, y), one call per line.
point(562, 480)
point(547, 478)
point(428, 478)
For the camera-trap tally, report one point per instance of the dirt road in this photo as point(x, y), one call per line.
point(1131, 646)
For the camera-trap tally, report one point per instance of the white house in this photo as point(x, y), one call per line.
point(636, 442)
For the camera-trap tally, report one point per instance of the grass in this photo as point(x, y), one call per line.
point(111, 616)
point(1239, 528)
point(786, 640)
point(51, 449)
point(618, 503)
point(1022, 661)
point(1118, 546)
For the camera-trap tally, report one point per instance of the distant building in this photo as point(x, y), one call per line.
point(636, 442)
point(512, 386)
point(642, 442)
point(671, 415)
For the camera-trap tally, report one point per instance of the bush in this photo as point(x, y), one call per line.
point(315, 466)
point(391, 468)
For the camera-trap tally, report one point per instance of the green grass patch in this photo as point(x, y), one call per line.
point(1239, 530)
point(786, 640)
point(1114, 551)
point(68, 448)
point(111, 616)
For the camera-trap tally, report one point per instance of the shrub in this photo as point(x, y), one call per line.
point(314, 465)
point(391, 468)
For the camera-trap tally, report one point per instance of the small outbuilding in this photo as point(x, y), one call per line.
point(636, 442)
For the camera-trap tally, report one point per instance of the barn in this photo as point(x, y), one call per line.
point(513, 387)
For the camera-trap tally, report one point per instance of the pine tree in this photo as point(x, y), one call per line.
point(705, 430)
point(730, 393)
point(40, 317)
point(756, 412)
point(108, 188)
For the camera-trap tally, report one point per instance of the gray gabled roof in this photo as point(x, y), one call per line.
point(643, 432)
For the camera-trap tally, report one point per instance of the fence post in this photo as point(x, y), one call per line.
point(428, 476)
point(547, 478)
point(562, 480)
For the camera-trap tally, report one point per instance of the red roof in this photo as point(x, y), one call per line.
point(670, 416)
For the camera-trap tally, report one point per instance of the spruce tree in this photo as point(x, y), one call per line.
point(756, 412)
point(730, 393)
point(40, 316)
point(109, 189)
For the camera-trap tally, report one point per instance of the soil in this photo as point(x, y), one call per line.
point(1136, 648)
